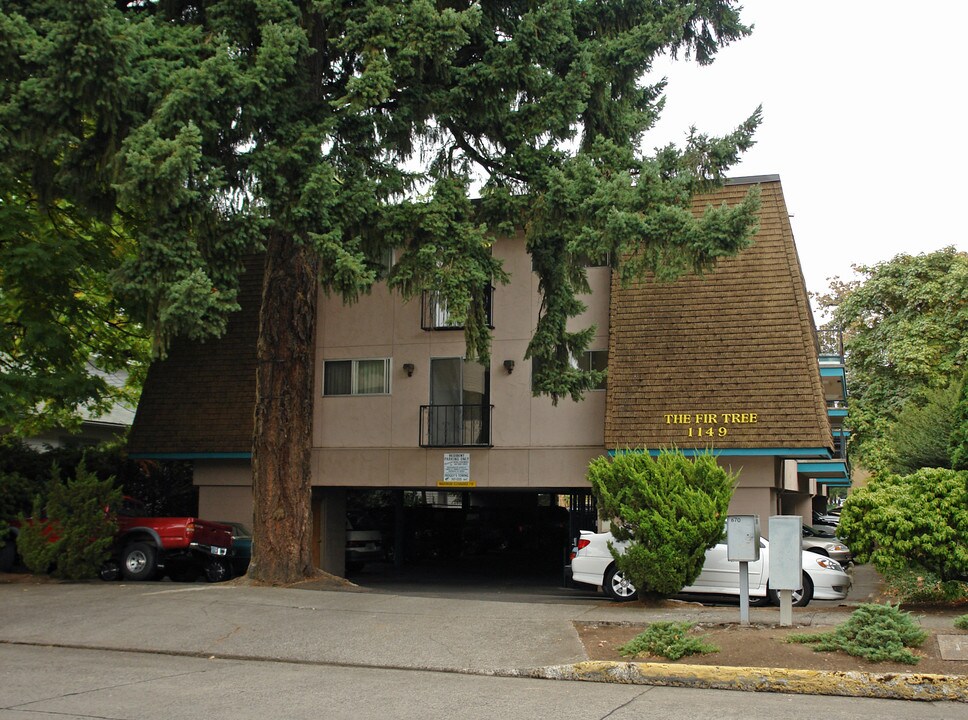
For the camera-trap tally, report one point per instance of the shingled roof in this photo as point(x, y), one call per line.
point(723, 361)
point(200, 400)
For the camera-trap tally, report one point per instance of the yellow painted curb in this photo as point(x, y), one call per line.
point(901, 686)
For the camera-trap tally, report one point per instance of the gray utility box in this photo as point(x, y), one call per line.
point(743, 538)
point(786, 553)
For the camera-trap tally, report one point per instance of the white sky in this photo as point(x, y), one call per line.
point(864, 120)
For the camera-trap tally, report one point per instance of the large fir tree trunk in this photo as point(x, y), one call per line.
point(281, 447)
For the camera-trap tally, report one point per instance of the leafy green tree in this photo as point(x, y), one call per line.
point(325, 134)
point(63, 325)
point(670, 508)
point(916, 520)
point(905, 329)
point(75, 531)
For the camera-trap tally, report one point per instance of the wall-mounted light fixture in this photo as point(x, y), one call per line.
point(408, 368)
point(509, 366)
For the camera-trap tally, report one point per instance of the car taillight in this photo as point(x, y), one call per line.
point(584, 543)
point(190, 527)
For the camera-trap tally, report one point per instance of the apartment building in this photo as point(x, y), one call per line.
point(728, 363)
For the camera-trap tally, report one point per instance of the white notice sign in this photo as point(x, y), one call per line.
point(457, 467)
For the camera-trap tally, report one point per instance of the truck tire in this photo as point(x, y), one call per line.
point(218, 570)
point(109, 570)
point(138, 561)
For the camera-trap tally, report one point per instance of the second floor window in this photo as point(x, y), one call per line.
point(356, 377)
point(589, 360)
point(434, 314)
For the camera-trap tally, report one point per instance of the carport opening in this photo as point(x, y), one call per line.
point(441, 537)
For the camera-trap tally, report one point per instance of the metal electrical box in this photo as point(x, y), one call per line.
point(786, 552)
point(743, 538)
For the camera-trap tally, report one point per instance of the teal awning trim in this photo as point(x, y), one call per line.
point(821, 470)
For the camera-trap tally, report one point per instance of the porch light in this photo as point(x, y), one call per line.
point(408, 368)
point(509, 366)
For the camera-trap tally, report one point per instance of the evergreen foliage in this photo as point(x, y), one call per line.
point(961, 622)
point(667, 639)
point(670, 508)
point(958, 443)
point(72, 532)
point(918, 520)
point(875, 632)
point(327, 134)
point(922, 435)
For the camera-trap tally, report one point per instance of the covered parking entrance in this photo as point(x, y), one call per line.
point(463, 536)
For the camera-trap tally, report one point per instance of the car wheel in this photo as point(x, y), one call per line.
point(218, 570)
point(138, 561)
point(617, 587)
point(109, 570)
point(801, 597)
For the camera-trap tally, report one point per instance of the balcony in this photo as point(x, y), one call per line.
point(455, 425)
point(435, 316)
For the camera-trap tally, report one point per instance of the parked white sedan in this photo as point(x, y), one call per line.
point(823, 578)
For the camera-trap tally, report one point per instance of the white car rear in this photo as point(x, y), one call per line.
point(824, 578)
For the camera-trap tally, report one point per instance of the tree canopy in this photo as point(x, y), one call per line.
point(905, 325)
point(325, 134)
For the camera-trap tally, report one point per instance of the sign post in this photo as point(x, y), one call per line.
point(743, 546)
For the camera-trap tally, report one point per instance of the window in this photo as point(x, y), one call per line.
point(356, 377)
point(589, 360)
point(434, 314)
point(595, 360)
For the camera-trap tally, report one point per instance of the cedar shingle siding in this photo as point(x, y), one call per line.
point(740, 340)
point(201, 398)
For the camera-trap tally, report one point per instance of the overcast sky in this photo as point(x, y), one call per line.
point(864, 122)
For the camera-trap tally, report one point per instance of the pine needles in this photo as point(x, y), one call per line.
point(874, 632)
point(667, 639)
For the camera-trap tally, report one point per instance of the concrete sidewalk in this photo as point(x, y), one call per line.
point(353, 628)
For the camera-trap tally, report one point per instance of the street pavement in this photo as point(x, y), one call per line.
point(349, 627)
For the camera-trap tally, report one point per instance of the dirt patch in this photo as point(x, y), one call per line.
point(765, 646)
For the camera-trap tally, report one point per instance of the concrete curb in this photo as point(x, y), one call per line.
point(898, 686)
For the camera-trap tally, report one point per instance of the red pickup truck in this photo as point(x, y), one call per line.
point(180, 547)
point(150, 547)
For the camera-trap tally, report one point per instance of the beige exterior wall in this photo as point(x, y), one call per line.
point(224, 490)
point(374, 441)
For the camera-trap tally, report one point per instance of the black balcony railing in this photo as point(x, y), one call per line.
point(455, 425)
point(831, 342)
point(435, 316)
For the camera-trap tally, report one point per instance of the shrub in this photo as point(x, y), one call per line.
point(962, 622)
point(913, 587)
point(913, 520)
point(875, 632)
point(76, 535)
point(670, 508)
point(667, 639)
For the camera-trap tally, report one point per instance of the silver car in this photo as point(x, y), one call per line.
point(823, 542)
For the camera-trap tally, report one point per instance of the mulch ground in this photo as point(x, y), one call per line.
point(765, 646)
